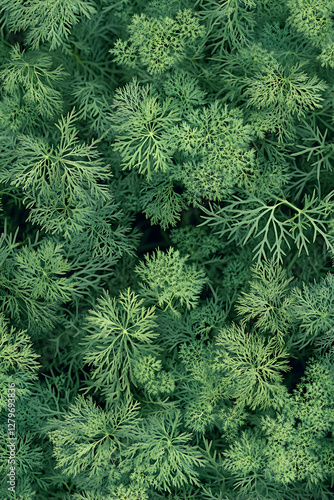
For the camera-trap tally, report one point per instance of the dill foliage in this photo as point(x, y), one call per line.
point(166, 249)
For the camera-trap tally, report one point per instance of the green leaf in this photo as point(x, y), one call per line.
point(120, 332)
point(169, 280)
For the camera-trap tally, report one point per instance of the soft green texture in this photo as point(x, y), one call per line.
point(166, 249)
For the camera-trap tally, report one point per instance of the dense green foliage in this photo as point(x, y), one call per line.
point(166, 249)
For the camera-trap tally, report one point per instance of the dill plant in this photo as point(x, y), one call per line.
point(166, 246)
